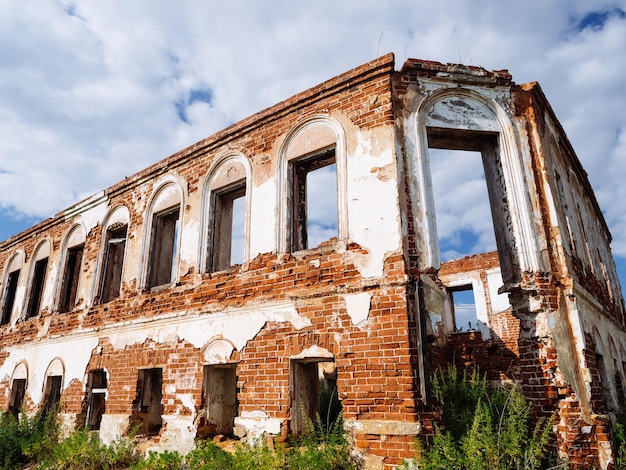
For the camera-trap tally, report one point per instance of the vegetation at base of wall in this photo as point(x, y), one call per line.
point(24, 438)
point(619, 442)
point(36, 441)
point(83, 449)
point(319, 448)
point(484, 426)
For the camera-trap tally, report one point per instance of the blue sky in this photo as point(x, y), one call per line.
point(91, 92)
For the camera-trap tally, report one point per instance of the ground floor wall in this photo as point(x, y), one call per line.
point(159, 376)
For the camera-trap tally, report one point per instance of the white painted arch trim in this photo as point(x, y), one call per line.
point(207, 209)
point(512, 167)
point(42, 250)
point(160, 201)
point(76, 235)
point(117, 215)
point(283, 220)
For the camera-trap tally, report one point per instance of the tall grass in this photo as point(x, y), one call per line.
point(484, 426)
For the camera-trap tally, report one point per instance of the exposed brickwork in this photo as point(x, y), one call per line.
point(373, 299)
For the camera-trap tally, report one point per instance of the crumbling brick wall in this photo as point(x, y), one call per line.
point(371, 299)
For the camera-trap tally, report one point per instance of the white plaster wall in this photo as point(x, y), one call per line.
point(235, 325)
point(373, 201)
point(499, 302)
point(263, 215)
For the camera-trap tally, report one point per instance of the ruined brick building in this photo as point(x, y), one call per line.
point(140, 307)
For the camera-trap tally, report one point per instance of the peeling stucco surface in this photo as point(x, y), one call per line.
point(358, 308)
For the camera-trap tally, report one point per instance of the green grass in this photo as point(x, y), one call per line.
point(484, 426)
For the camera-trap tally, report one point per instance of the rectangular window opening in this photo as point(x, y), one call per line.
point(219, 396)
point(464, 304)
point(462, 205)
point(314, 217)
point(147, 409)
point(97, 389)
point(70, 278)
point(36, 289)
point(228, 227)
point(165, 228)
point(18, 392)
point(113, 264)
point(313, 394)
point(9, 297)
point(52, 394)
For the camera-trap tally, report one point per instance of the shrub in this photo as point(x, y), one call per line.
point(166, 460)
point(322, 447)
point(22, 439)
point(485, 427)
point(83, 449)
point(208, 456)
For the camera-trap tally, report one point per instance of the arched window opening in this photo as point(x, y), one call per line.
point(38, 279)
point(10, 288)
point(71, 273)
point(227, 195)
point(114, 248)
point(163, 235)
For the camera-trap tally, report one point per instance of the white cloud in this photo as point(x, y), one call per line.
point(88, 90)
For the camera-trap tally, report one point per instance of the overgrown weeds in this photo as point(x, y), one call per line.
point(321, 447)
point(83, 449)
point(23, 438)
point(484, 426)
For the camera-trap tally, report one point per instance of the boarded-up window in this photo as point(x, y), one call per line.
point(113, 263)
point(9, 297)
point(97, 388)
point(165, 228)
point(71, 277)
point(314, 200)
point(52, 392)
point(36, 288)
point(148, 408)
point(227, 228)
point(18, 391)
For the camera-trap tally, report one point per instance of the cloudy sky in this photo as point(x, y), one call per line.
point(93, 91)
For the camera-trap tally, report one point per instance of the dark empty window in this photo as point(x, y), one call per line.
point(147, 408)
point(465, 316)
point(52, 393)
point(71, 276)
point(97, 388)
point(227, 230)
point(219, 396)
point(18, 391)
point(36, 288)
point(9, 297)
point(165, 228)
point(314, 200)
point(113, 263)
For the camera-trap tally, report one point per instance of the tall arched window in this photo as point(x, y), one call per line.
point(460, 119)
point(112, 251)
point(38, 271)
point(53, 385)
point(72, 262)
point(163, 235)
point(19, 384)
point(11, 279)
point(226, 213)
point(312, 185)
